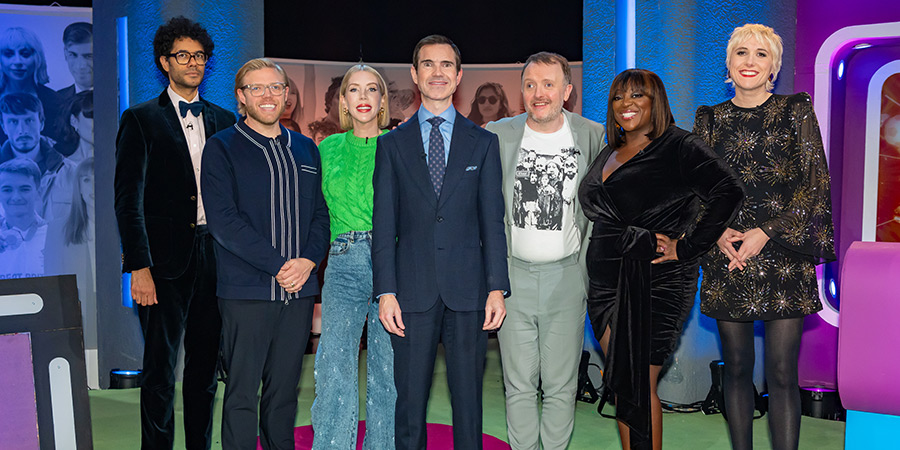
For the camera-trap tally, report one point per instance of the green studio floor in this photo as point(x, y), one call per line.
point(115, 416)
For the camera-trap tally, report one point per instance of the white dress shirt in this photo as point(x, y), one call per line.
point(195, 134)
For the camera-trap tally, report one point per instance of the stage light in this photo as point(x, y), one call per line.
point(861, 46)
point(840, 73)
point(715, 399)
point(586, 391)
point(821, 403)
point(124, 379)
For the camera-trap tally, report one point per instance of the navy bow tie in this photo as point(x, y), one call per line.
point(195, 108)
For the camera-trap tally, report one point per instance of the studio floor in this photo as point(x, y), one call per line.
point(115, 416)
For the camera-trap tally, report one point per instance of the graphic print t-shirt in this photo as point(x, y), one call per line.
point(543, 226)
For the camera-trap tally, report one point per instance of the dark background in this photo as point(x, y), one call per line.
point(486, 31)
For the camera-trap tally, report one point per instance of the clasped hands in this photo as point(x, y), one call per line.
point(294, 273)
point(752, 241)
point(390, 315)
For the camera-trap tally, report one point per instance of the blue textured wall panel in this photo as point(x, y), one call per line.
point(599, 54)
point(236, 27)
point(684, 41)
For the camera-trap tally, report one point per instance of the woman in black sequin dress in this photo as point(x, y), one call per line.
point(765, 266)
point(643, 192)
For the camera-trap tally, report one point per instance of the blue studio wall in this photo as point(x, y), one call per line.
point(237, 29)
point(683, 41)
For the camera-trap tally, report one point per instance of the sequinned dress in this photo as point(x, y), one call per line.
point(659, 190)
point(776, 149)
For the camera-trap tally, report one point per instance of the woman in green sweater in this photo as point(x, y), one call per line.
point(348, 162)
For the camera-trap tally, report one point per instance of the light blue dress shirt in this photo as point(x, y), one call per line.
point(449, 116)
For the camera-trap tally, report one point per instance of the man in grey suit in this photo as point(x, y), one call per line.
point(544, 155)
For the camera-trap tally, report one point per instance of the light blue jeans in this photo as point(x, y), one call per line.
point(346, 301)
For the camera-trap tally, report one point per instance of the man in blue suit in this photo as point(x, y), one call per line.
point(439, 248)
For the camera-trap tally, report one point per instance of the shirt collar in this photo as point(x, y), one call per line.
point(177, 98)
point(449, 115)
point(284, 138)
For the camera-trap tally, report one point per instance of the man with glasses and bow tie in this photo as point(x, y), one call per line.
point(165, 243)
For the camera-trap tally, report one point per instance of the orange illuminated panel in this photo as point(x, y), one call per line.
point(888, 213)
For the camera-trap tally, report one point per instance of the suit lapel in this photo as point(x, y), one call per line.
point(412, 155)
point(462, 145)
point(172, 121)
point(582, 144)
point(209, 120)
point(510, 143)
point(173, 125)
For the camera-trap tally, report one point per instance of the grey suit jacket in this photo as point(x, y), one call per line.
point(589, 137)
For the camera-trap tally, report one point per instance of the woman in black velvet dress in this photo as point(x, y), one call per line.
point(643, 193)
point(764, 268)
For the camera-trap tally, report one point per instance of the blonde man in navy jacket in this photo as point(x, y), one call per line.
point(262, 187)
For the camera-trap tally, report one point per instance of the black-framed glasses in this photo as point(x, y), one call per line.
point(490, 99)
point(258, 90)
point(184, 58)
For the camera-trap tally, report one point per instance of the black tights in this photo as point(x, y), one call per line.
point(782, 346)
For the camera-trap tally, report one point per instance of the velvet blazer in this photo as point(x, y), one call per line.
point(155, 187)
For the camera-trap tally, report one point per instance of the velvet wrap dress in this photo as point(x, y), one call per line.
point(659, 190)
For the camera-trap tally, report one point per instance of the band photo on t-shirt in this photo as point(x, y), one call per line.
point(544, 183)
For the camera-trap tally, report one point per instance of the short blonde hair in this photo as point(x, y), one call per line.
point(765, 36)
point(384, 114)
point(250, 66)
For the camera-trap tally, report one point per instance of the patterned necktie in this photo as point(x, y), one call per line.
point(436, 154)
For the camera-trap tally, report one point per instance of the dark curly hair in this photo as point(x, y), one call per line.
point(323, 127)
point(175, 29)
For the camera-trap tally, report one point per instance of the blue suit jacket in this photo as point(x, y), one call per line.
point(451, 248)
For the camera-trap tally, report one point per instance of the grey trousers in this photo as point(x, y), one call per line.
point(540, 348)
